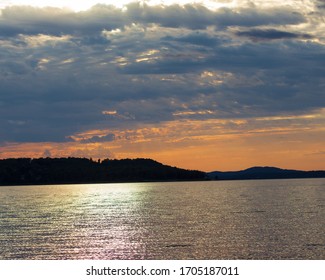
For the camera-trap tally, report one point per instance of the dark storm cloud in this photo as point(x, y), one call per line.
point(271, 34)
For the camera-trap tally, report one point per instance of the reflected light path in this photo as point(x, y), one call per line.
point(74, 222)
point(253, 219)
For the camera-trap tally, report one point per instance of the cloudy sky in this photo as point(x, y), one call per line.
point(209, 85)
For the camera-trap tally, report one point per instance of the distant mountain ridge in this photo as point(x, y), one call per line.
point(264, 172)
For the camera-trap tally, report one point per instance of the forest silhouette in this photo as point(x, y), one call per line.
point(27, 171)
point(47, 171)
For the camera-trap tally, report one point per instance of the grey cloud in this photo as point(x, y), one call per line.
point(198, 38)
point(244, 57)
point(13, 67)
point(320, 4)
point(98, 139)
point(190, 16)
point(47, 153)
point(92, 40)
point(271, 34)
point(50, 91)
point(53, 21)
point(99, 152)
point(250, 17)
point(177, 65)
point(195, 16)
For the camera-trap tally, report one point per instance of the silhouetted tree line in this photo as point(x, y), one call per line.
point(27, 171)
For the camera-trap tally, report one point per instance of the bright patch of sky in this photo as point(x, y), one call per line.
point(212, 4)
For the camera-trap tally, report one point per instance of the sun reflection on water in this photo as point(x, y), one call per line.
point(279, 219)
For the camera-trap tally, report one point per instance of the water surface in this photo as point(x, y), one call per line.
point(255, 219)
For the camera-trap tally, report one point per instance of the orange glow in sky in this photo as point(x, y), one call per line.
point(204, 145)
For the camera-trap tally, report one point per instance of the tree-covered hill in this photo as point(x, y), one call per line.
point(27, 171)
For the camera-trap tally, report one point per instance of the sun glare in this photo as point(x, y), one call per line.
point(211, 4)
point(70, 4)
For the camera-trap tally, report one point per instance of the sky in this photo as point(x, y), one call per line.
point(208, 85)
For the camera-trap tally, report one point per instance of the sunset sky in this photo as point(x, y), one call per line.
point(208, 85)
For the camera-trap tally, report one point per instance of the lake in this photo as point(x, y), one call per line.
point(253, 219)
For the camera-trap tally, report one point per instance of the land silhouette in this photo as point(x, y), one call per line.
point(27, 171)
point(264, 172)
point(43, 171)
